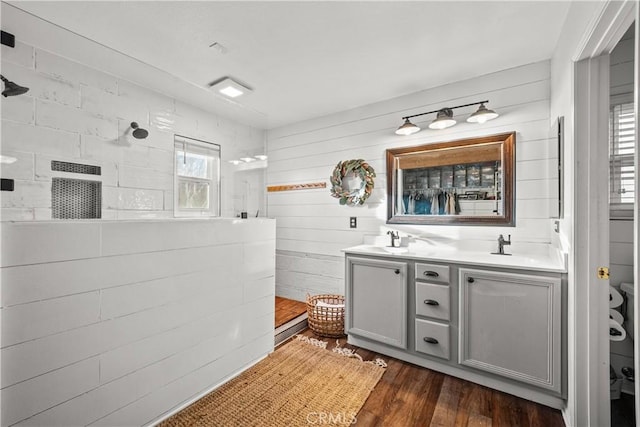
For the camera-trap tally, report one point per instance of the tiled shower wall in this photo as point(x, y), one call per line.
point(77, 114)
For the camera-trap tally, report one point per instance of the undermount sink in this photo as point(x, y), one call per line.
point(394, 250)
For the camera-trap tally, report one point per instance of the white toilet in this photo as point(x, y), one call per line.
point(627, 288)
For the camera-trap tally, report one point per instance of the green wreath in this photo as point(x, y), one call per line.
point(362, 170)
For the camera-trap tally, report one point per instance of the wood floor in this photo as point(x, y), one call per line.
point(409, 395)
point(288, 309)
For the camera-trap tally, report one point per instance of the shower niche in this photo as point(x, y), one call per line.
point(72, 197)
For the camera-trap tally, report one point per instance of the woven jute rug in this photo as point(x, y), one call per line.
point(300, 384)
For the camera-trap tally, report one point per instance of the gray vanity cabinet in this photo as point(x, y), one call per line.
point(510, 325)
point(376, 300)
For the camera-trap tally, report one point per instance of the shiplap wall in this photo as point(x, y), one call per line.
point(78, 114)
point(312, 227)
point(114, 323)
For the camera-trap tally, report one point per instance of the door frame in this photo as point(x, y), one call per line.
point(592, 405)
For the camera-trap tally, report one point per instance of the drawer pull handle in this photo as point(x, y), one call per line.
point(397, 271)
point(431, 302)
point(430, 340)
point(471, 280)
point(431, 274)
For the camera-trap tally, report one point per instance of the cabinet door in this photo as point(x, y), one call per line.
point(510, 325)
point(376, 306)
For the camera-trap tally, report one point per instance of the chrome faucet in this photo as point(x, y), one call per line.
point(501, 244)
point(395, 238)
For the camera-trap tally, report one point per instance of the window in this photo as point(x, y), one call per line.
point(621, 159)
point(197, 178)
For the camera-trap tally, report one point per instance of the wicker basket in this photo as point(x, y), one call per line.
point(326, 321)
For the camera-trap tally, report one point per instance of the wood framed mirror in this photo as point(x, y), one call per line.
point(463, 182)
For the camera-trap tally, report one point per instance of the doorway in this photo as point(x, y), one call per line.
point(590, 387)
point(621, 144)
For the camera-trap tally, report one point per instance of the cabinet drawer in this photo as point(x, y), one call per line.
point(432, 338)
point(432, 300)
point(432, 272)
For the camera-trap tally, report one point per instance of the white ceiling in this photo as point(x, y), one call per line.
point(303, 59)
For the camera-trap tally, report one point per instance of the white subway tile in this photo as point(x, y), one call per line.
point(26, 138)
point(56, 116)
point(110, 105)
point(132, 199)
point(43, 86)
point(25, 322)
point(168, 200)
point(129, 154)
point(16, 214)
point(18, 109)
point(30, 243)
point(38, 394)
point(27, 194)
point(43, 170)
point(73, 72)
point(42, 214)
point(21, 54)
point(146, 96)
point(134, 177)
point(108, 170)
point(22, 168)
point(168, 121)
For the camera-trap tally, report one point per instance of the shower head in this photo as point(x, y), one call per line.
point(12, 89)
point(138, 132)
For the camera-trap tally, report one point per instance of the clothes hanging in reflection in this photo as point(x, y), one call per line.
point(435, 205)
point(430, 202)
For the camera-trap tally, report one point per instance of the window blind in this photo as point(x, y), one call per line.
point(197, 178)
point(621, 157)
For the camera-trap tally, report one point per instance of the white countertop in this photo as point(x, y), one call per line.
point(534, 262)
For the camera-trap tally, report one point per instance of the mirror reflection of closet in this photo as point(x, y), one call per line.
point(468, 181)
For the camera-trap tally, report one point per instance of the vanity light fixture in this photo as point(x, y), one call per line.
point(482, 115)
point(235, 162)
point(247, 159)
point(261, 156)
point(444, 118)
point(229, 87)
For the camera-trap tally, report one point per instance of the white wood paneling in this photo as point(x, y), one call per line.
point(313, 224)
point(90, 330)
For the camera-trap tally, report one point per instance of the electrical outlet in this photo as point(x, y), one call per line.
point(353, 222)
